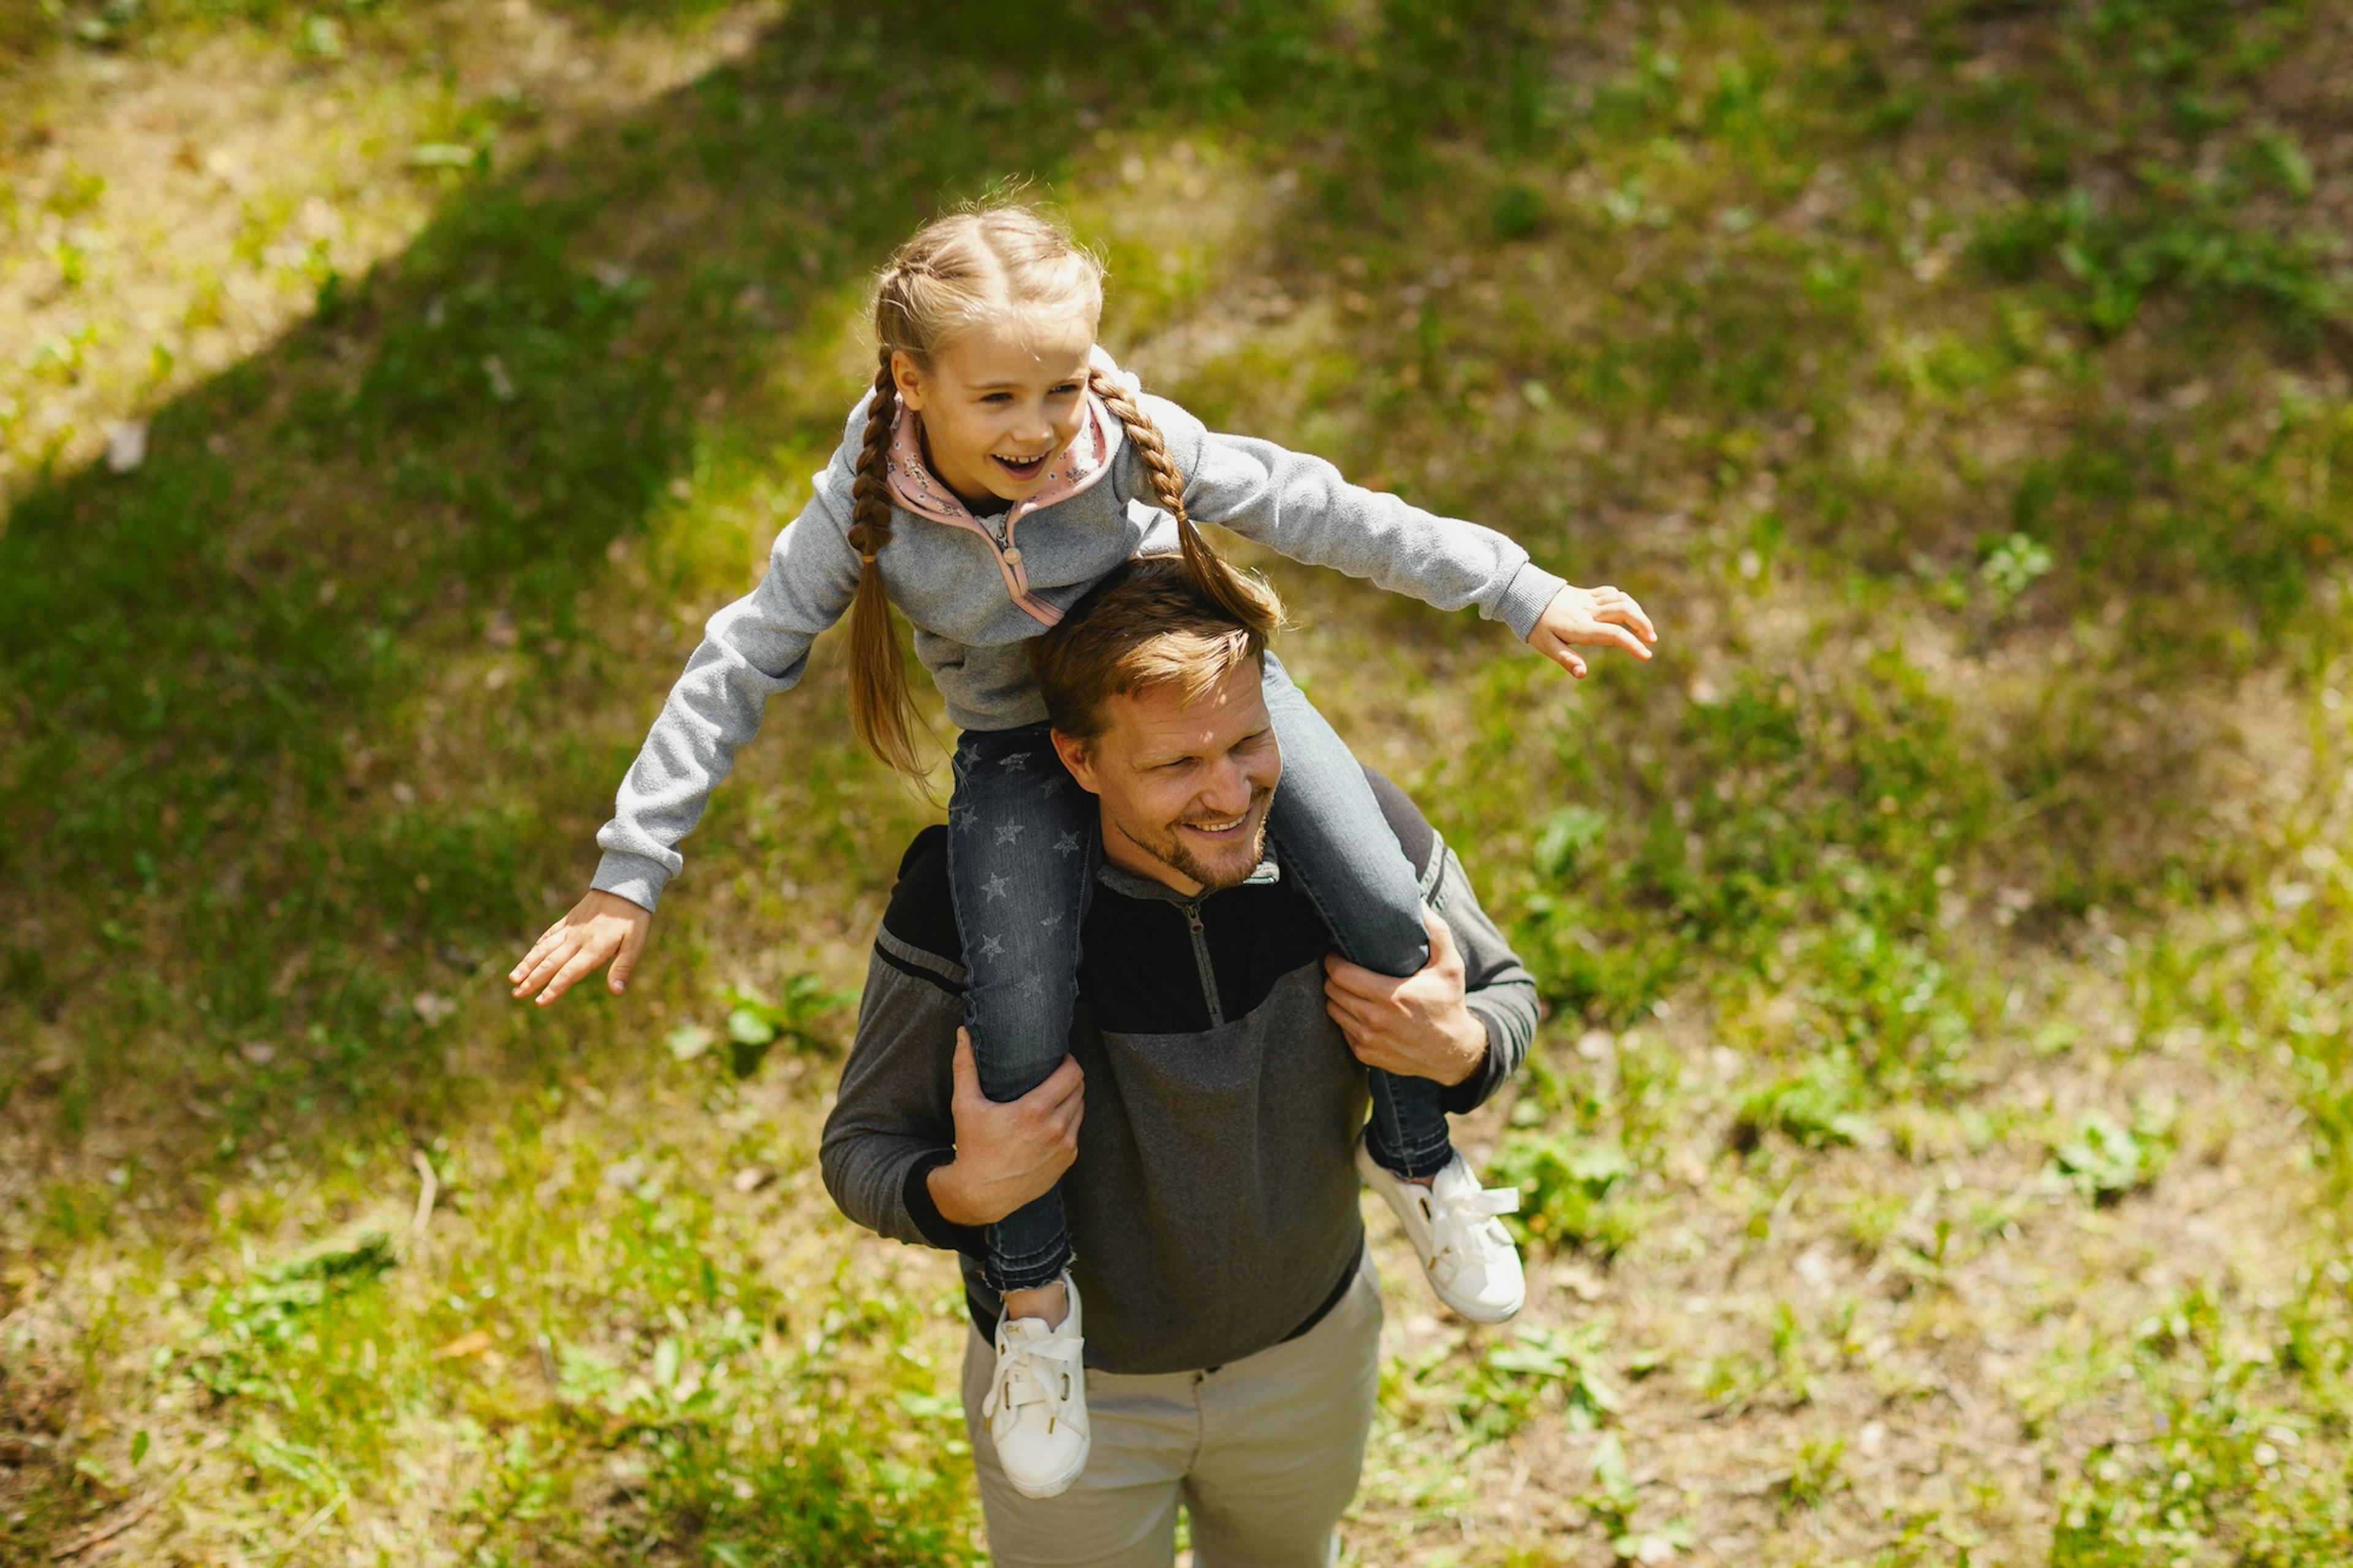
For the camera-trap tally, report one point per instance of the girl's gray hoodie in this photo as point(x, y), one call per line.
point(977, 595)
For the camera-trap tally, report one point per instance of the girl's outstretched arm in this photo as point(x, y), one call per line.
point(752, 650)
point(1300, 505)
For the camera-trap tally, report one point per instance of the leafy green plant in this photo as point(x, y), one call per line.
point(1569, 1190)
point(2012, 566)
point(755, 1023)
point(2104, 1159)
point(251, 1325)
point(1820, 1106)
point(1816, 1469)
point(1517, 1372)
point(1613, 1503)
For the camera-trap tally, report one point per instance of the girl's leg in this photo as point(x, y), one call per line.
point(1335, 841)
point(1021, 850)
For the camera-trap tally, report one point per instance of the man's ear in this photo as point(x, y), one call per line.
point(1073, 752)
point(909, 377)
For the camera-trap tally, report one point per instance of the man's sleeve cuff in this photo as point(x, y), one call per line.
point(934, 1227)
point(1524, 597)
point(632, 877)
point(1461, 1099)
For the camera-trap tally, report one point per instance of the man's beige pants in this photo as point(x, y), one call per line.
point(1263, 1453)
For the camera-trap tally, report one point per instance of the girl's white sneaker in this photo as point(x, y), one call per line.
point(1470, 1259)
point(1037, 1404)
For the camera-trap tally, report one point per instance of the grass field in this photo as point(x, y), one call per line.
point(1937, 1151)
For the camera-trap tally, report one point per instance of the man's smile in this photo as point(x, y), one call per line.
point(1226, 829)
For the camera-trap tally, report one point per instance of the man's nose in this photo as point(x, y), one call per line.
point(1228, 789)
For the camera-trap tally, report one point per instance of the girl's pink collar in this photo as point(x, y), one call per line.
point(1083, 462)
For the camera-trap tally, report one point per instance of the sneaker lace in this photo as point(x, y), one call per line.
point(1469, 1217)
point(1037, 1373)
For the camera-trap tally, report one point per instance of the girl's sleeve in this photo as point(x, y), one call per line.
point(1301, 506)
point(752, 649)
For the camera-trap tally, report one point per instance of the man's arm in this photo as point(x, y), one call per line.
point(902, 1163)
point(893, 1120)
point(1498, 989)
point(1482, 984)
point(1463, 1021)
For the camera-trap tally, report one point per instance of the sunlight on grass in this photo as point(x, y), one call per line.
point(1939, 1144)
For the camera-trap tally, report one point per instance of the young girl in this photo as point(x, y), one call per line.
point(998, 468)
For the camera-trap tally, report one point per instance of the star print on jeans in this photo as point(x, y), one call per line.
point(1068, 844)
point(1014, 764)
point(1031, 985)
point(1010, 832)
point(1052, 922)
point(996, 887)
point(1047, 786)
point(991, 948)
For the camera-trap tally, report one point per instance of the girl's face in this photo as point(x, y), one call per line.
point(1000, 403)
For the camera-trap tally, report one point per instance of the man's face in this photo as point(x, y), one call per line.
point(1185, 788)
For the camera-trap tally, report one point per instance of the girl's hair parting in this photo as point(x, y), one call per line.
point(959, 269)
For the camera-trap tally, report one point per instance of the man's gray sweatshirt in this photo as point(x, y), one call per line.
point(1212, 1205)
point(955, 583)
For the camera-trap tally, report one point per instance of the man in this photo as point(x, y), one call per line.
point(1203, 1128)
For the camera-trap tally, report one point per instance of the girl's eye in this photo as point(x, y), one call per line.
point(997, 397)
point(1067, 389)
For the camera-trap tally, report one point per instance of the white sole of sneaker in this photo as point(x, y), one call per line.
point(1394, 1191)
point(1051, 1489)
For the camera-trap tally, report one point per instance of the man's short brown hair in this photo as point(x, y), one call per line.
point(1147, 626)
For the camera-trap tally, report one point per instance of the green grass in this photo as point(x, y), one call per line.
point(1941, 937)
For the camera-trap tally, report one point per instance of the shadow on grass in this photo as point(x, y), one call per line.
point(213, 667)
point(218, 903)
point(209, 661)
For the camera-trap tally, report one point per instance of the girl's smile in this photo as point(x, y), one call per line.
point(999, 403)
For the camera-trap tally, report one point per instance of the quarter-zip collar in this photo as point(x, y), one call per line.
point(1083, 464)
point(1189, 906)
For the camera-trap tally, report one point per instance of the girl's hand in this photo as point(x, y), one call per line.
point(601, 927)
point(1594, 617)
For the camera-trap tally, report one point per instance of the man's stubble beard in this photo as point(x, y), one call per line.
point(1172, 852)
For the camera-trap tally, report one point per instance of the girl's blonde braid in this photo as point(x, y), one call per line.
point(1244, 598)
point(879, 707)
